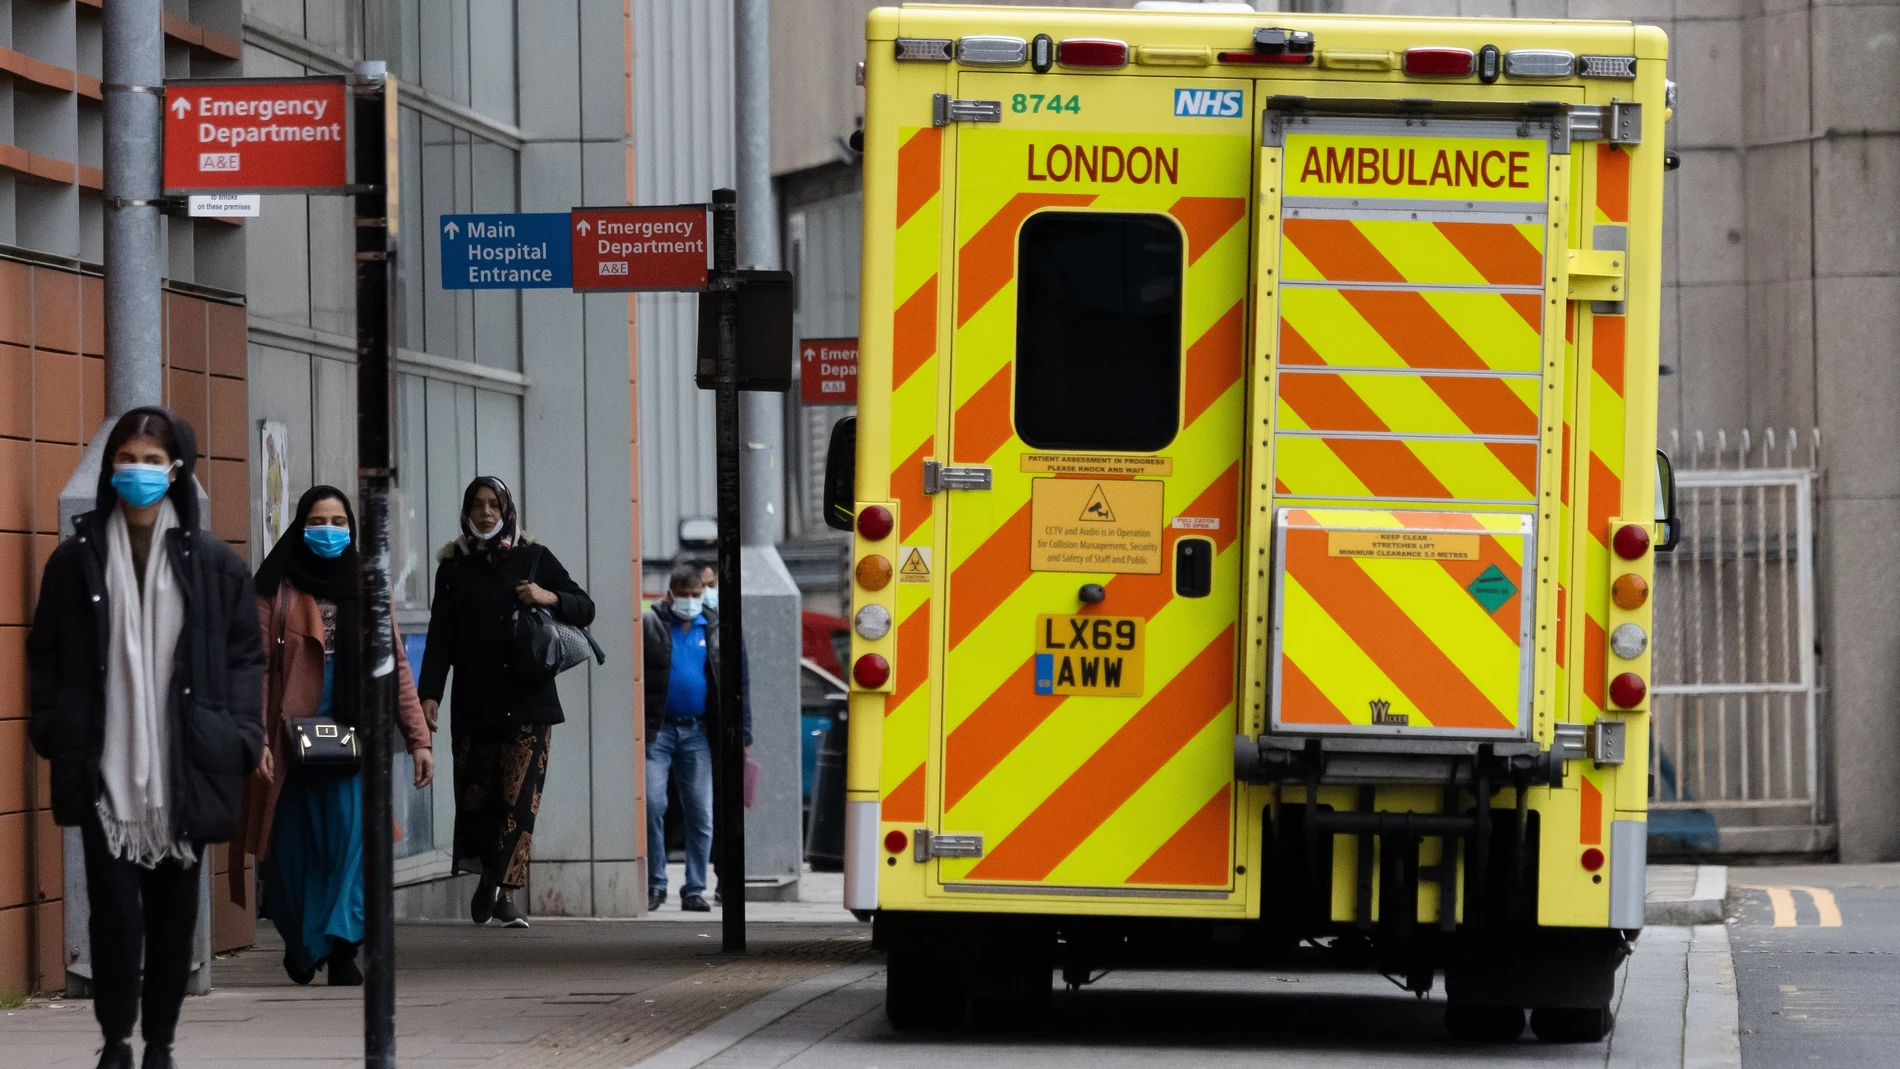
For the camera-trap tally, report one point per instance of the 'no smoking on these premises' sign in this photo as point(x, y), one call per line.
point(285, 135)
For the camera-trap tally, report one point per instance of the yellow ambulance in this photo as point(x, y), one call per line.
point(1255, 494)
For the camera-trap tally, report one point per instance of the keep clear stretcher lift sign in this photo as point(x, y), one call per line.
point(282, 135)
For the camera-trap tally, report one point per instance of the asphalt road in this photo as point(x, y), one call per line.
point(1165, 1020)
point(1817, 960)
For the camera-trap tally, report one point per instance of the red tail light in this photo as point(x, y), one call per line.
point(1631, 541)
point(1092, 52)
point(871, 671)
point(895, 841)
point(1439, 62)
point(1267, 57)
point(1626, 690)
point(875, 523)
point(1592, 858)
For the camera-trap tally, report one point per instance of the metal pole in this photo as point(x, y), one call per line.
point(758, 247)
point(134, 47)
point(731, 807)
point(375, 389)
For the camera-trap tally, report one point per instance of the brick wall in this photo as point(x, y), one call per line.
point(52, 401)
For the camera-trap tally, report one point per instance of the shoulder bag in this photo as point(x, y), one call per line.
point(313, 742)
point(544, 647)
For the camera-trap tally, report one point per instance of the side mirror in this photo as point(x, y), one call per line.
point(1666, 502)
point(841, 475)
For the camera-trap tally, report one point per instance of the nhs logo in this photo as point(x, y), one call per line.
point(1208, 103)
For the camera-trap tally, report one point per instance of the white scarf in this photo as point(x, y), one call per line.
point(136, 807)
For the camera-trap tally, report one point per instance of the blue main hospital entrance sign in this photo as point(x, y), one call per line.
point(507, 252)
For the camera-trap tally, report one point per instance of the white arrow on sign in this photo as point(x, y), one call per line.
point(583, 227)
point(451, 229)
point(182, 107)
point(810, 352)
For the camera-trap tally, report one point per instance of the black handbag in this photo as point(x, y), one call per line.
point(319, 742)
point(545, 647)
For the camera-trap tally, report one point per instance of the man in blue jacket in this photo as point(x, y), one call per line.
point(681, 640)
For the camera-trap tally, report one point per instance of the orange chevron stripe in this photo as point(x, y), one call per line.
point(1607, 336)
point(1296, 350)
point(1214, 361)
point(993, 730)
point(1613, 182)
point(1529, 306)
point(983, 423)
point(905, 803)
point(1302, 702)
point(1388, 468)
point(914, 333)
point(1196, 855)
point(987, 262)
point(1414, 329)
point(1570, 324)
point(919, 171)
point(1325, 403)
point(987, 576)
point(1386, 635)
point(1606, 499)
point(913, 655)
point(907, 489)
point(1564, 496)
point(1520, 459)
point(1563, 624)
point(1589, 813)
point(1165, 723)
point(1207, 220)
point(1485, 406)
point(1502, 255)
point(1339, 251)
point(1596, 662)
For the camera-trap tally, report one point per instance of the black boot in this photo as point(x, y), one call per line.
point(482, 907)
point(116, 1055)
point(157, 1056)
point(298, 976)
point(343, 970)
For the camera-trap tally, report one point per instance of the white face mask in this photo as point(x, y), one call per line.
point(685, 608)
point(711, 597)
point(488, 534)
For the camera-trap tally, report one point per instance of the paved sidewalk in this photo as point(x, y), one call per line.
point(1686, 894)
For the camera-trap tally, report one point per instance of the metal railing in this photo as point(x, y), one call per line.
point(1735, 701)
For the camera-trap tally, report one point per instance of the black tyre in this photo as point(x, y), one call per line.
point(1484, 1024)
point(1012, 994)
point(921, 992)
point(1572, 1025)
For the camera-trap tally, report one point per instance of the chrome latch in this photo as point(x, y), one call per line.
point(938, 478)
point(939, 845)
point(1569, 742)
point(1604, 741)
point(944, 110)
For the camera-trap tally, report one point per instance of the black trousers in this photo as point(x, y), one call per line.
point(137, 911)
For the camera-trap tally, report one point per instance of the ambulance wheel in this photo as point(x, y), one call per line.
point(921, 991)
point(1011, 993)
point(1484, 1024)
point(1572, 1025)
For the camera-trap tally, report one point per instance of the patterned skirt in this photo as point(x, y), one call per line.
point(498, 781)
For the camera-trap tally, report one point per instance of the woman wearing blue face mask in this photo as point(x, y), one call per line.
point(145, 671)
point(305, 825)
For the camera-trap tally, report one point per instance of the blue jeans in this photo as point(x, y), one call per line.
point(681, 747)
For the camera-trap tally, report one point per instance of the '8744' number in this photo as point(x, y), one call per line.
point(1037, 103)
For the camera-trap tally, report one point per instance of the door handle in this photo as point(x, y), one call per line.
point(938, 477)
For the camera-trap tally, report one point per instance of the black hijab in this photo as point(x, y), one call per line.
point(333, 580)
point(497, 547)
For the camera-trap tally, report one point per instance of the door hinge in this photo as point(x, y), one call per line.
point(938, 478)
point(1620, 123)
point(1605, 741)
point(941, 845)
point(944, 110)
point(1597, 274)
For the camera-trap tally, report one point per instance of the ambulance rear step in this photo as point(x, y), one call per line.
point(1333, 760)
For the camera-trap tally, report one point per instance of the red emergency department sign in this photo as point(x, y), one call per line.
point(283, 135)
point(624, 248)
point(828, 372)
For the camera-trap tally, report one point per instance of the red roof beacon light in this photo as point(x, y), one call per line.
point(871, 671)
point(875, 523)
point(1631, 541)
point(1626, 690)
point(1439, 62)
point(1092, 52)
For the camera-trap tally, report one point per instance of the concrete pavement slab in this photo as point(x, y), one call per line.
point(1685, 894)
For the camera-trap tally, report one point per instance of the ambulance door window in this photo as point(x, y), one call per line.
point(1098, 331)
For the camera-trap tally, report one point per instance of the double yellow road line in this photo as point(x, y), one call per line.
point(1781, 899)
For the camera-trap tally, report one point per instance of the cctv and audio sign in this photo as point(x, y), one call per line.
point(666, 248)
point(283, 135)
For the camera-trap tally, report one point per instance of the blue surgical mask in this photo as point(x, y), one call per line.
point(326, 541)
point(140, 485)
point(711, 597)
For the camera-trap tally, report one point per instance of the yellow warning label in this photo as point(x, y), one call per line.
point(1090, 464)
point(1085, 525)
point(916, 566)
point(1412, 545)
